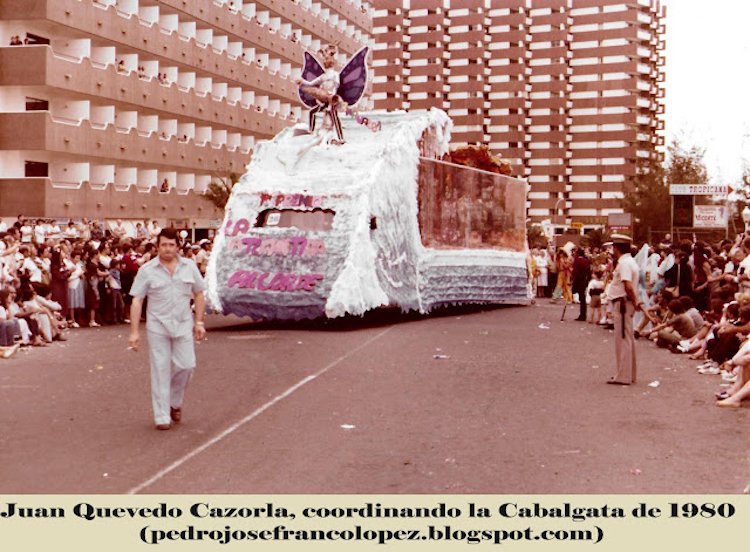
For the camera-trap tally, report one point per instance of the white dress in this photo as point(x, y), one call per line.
point(541, 265)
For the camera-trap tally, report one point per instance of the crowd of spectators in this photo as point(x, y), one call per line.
point(696, 300)
point(53, 279)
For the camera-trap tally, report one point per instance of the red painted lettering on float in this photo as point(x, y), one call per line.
point(307, 282)
point(279, 247)
point(297, 245)
point(235, 243)
point(314, 248)
point(280, 281)
point(243, 279)
point(241, 227)
point(262, 286)
point(251, 245)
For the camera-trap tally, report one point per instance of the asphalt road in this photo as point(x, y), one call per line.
point(363, 406)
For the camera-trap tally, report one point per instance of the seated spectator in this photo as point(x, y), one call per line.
point(678, 327)
point(692, 311)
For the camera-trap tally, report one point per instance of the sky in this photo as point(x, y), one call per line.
point(708, 81)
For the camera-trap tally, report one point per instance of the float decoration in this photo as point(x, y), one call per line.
point(322, 88)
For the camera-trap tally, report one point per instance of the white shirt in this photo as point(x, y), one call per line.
point(26, 232)
point(71, 232)
point(35, 273)
point(626, 271)
point(39, 233)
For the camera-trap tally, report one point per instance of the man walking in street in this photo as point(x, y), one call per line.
point(581, 277)
point(169, 281)
point(622, 293)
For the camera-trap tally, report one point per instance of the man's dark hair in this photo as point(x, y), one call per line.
point(170, 234)
point(622, 247)
point(675, 305)
point(687, 302)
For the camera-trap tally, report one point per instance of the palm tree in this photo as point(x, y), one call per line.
point(220, 189)
point(595, 238)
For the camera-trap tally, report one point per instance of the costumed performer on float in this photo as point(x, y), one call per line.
point(322, 88)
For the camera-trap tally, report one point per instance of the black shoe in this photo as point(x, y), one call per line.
point(579, 319)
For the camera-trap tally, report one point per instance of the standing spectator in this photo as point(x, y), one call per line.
point(581, 277)
point(169, 282)
point(542, 265)
point(20, 222)
point(71, 232)
point(59, 274)
point(115, 290)
point(595, 290)
point(27, 232)
point(701, 274)
point(128, 269)
point(93, 276)
point(623, 296)
point(84, 230)
point(53, 230)
point(141, 232)
point(40, 232)
point(31, 266)
point(97, 233)
point(76, 289)
point(564, 270)
point(118, 230)
point(153, 230)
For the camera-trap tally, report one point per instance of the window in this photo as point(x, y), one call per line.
point(36, 169)
point(35, 104)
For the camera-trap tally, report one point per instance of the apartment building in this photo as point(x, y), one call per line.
point(570, 91)
point(129, 108)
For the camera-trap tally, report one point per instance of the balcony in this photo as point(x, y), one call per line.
point(37, 131)
point(38, 197)
point(169, 49)
point(38, 66)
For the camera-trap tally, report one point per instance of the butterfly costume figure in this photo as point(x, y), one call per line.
point(322, 88)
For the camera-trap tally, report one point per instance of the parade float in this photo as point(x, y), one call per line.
point(368, 214)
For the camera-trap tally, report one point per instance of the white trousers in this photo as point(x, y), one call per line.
point(172, 363)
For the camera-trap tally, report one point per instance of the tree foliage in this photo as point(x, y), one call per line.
point(595, 238)
point(649, 201)
point(220, 189)
point(535, 236)
point(686, 165)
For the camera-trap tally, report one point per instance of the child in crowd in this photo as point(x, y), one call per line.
point(594, 291)
point(115, 287)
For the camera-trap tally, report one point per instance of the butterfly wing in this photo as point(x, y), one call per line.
point(312, 70)
point(354, 78)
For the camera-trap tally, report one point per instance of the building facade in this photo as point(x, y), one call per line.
point(130, 108)
point(570, 91)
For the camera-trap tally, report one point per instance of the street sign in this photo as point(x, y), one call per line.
point(710, 216)
point(698, 189)
point(619, 220)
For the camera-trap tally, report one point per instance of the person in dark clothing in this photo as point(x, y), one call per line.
point(581, 277)
point(680, 275)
